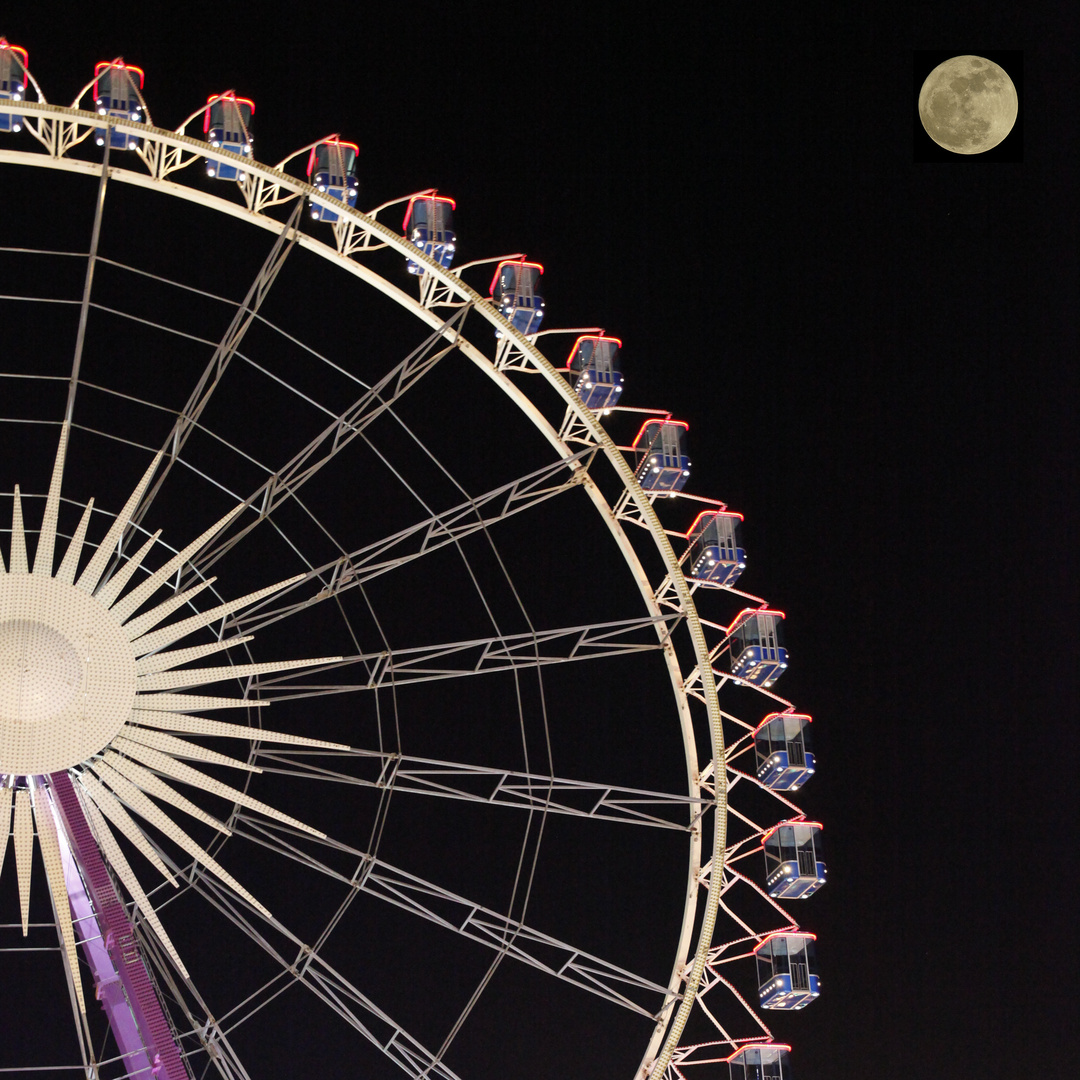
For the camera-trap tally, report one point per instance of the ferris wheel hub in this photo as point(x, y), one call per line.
point(40, 670)
point(67, 675)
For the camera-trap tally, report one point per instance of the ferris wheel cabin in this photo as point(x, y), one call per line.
point(661, 454)
point(429, 224)
point(785, 756)
point(227, 124)
point(117, 89)
point(766, 1061)
point(794, 860)
point(787, 971)
point(716, 554)
point(515, 288)
point(13, 61)
point(332, 169)
point(595, 361)
point(756, 647)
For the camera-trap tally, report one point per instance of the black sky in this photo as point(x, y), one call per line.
point(877, 361)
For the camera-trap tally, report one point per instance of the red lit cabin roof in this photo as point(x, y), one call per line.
point(332, 141)
point(593, 337)
point(104, 65)
point(425, 198)
point(511, 262)
point(650, 423)
point(745, 614)
point(713, 514)
point(783, 716)
point(227, 96)
point(758, 1046)
point(809, 824)
point(590, 337)
point(16, 49)
point(784, 934)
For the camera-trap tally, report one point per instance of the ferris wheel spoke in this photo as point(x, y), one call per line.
point(469, 919)
point(312, 971)
point(499, 787)
point(223, 354)
point(283, 484)
point(422, 538)
point(84, 309)
point(478, 656)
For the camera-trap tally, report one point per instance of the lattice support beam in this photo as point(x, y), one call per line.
point(477, 656)
point(462, 916)
point(438, 530)
point(501, 787)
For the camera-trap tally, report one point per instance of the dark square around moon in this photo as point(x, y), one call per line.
point(924, 149)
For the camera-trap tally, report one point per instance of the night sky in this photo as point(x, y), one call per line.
point(876, 357)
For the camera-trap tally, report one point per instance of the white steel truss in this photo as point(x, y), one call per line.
point(502, 787)
point(478, 656)
point(669, 601)
point(467, 918)
point(421, 538)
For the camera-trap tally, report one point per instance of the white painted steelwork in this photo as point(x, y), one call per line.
point(576, 439)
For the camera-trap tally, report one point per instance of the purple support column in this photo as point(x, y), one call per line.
point(110, 990)
point(123, 985)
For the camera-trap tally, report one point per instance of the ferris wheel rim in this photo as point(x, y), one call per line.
point(669, 1028)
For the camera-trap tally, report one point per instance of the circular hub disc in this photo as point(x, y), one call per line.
point(67, 675)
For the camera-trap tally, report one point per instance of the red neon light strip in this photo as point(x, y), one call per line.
point(227, 96)
point(650, 423)
point(784, 934)
point(746, 613)
point(511, 262)
point(783, 716)
point(809, 824)
point(591, 337)
point(759, 1046)
point(118, 63)
point(331, 140)
point(16, 49)
point(230, 96)
point(714, 514)
point(425, 198)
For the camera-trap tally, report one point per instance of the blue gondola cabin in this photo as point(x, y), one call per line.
point(515, 288)
point(662, 464)
point(763, 1061)
point(794, 860)
point(716, 555)
point(756, 647)
point(332, 170)
point(117, 93)
point(13, 61)
point(787, 971)
point(227, 126)
point(429, 224)
point(783, 751)
point(594, 362)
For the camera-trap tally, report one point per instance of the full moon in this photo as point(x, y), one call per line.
point(968, 105)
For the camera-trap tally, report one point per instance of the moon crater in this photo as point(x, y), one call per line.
point(968, 105)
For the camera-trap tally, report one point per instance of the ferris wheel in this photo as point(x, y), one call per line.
point(352, 651)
